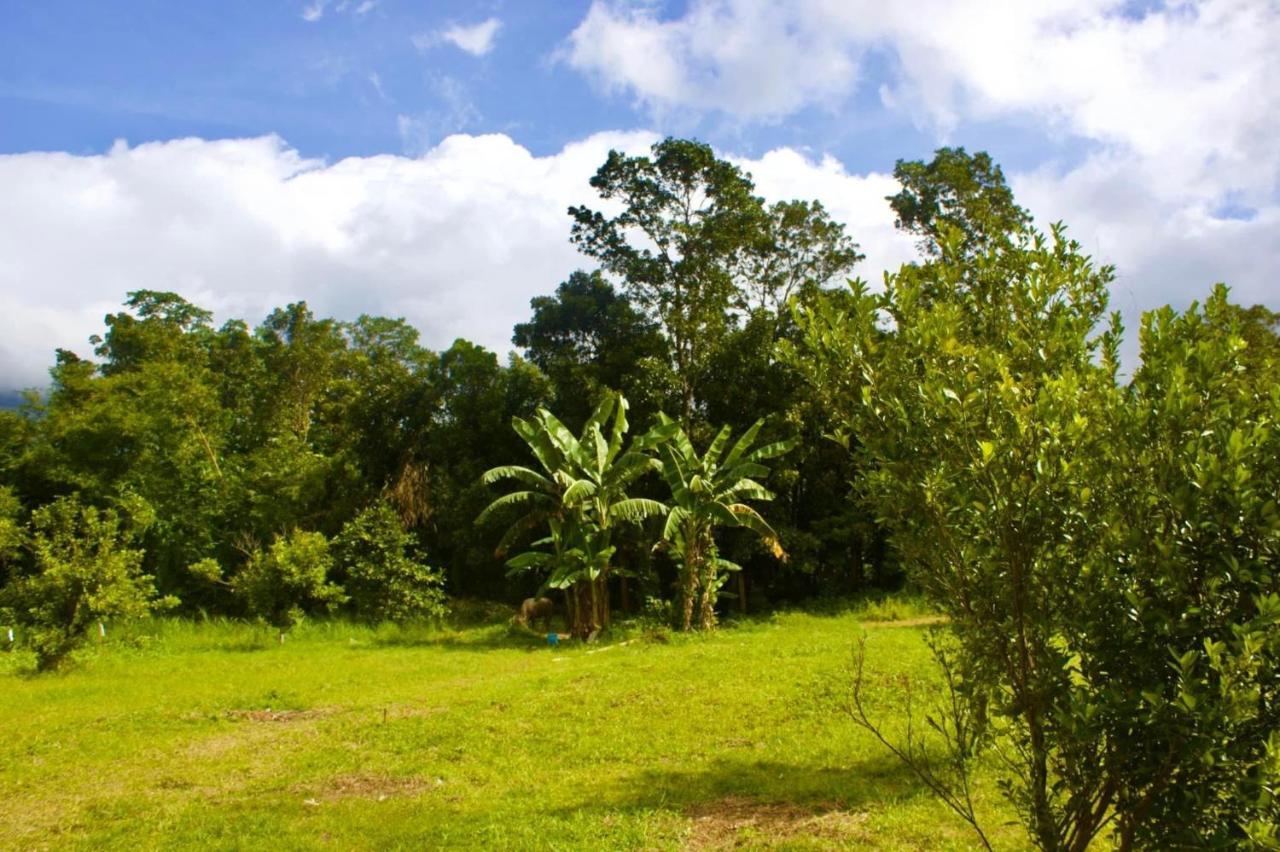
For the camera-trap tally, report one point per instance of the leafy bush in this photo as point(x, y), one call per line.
point(288, 580)
point(81, 573)
point(1106, 556)
point(384, 581)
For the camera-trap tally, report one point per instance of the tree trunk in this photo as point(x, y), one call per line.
point(689, 584)
point(707, 603)
point(588, 610)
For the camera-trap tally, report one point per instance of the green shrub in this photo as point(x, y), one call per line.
point(288, 580)
point(81, 573)
point(386, 583)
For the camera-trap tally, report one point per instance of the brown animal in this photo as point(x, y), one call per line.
point(536, 608)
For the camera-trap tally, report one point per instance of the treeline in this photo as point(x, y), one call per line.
point(220, 456)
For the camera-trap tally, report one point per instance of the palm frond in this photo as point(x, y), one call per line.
point(675, 518)
point(718, 444)
point(777, 448)
point(637, 509)
point(578, 490)
point(744, 442)
point(515, 498)
point(751, 519)
point(513, 471)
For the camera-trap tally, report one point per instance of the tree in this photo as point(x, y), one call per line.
point(374, 554)
point(709, 491)
point(81, 573)
point(291, 578)
point(13, 534)
point(687, 220)
point(580, 495)
point(977, 409)
point(1189, 639)
point(956, 190)
point(589, 339)
point(802, 250)
point(1104, 555)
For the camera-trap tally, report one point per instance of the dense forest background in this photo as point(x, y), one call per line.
point(210, 444)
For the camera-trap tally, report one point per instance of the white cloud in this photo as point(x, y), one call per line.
point(457, 240)
point(476, 39)
point(314, 11)
point(1179, 107)
point(749, 59)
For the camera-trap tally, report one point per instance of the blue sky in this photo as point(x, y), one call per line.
point(77, 76)
point(415, 158)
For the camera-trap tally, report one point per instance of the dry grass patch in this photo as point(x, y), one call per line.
point(374, 786)
point(270, 715)
point(734, 822)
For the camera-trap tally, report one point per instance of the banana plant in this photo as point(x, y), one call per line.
point(579, 496)
point(710, 491)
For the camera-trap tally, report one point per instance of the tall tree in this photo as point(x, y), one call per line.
point(802, 250)
point(687, 220)
point(588, 338)
point(956, 190)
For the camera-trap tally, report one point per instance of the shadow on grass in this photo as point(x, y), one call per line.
point(816, 789)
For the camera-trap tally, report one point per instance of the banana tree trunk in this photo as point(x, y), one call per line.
point(707, 602)
point(688, 585)
point(588, 610)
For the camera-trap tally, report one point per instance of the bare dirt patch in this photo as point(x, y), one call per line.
point(735, 822)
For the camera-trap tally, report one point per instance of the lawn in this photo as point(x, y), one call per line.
point(180, 734)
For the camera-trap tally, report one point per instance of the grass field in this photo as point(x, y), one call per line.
point(179, 734)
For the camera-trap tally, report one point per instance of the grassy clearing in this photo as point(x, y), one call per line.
point(215, 735)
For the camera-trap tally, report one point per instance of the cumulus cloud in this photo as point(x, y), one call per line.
point(1178, 106)
point(476, 39)
point(749, 59)
point(457, 240)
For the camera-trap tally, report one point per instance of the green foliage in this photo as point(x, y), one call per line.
point(289, 579)
point(958, 192)
point(375, 556)
point(579, 495)
point(589, 339)
point(81, 573)
point(687, 222)
point(709, 491)
point(1105, 556)
point(13, 534)
point(1191, 572)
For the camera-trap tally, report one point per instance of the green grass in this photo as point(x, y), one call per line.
point(180, 734)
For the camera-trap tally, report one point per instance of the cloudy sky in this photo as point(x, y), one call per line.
point(415, 157)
